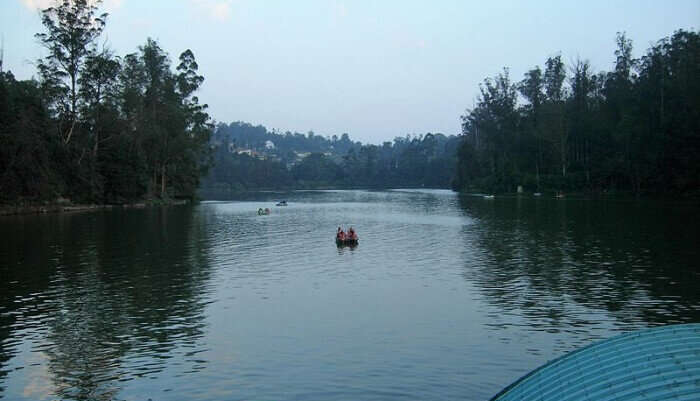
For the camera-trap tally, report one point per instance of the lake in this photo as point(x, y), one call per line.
point(446, 296)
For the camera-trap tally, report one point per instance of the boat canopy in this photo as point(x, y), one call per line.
point(649, 364)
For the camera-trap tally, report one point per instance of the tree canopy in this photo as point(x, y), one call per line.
point(97, 127)
point(636, 128)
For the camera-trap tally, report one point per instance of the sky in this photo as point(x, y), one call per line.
point(372, 69)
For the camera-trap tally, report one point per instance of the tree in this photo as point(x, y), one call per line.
point(99, 92)
point(99, 128)
point(491, 129)
point(634, 128)
point(27, 169)
point(194, 153)
point(668, 89)
point(582, 85)
point(316, 169)
point(175, 128)
point(554, 76)
point(532, 89)
point(619, 106)
point(71, 29)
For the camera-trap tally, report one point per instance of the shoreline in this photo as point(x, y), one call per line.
point(27, 209)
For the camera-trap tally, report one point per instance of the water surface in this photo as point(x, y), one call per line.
point(446, 296)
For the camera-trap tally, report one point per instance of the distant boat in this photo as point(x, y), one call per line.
point(537, 194)
point(263, 212)
point(351, 239)
point(347, 241)
point(489, 196)
point(281, 203)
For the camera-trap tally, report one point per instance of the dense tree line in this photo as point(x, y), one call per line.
point(328, 162)
point(99, 128)
point(636, 128)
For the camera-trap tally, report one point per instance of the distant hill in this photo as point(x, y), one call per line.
point(248, 157)
point(245, 135)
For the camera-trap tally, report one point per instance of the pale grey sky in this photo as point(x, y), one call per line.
point(373, 69)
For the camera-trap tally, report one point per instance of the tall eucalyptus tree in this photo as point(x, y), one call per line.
point(71, 28)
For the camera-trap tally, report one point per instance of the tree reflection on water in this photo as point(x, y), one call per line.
point(564, 265)
point(103, 298)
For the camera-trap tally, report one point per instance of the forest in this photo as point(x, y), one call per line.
point(562, 128)
point(95, 127)
point(248, 157)
point(99, 128)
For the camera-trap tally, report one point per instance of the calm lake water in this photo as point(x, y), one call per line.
point(446, 297)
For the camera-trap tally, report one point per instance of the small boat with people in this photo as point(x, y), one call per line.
point(281, 203)
point(263, 212)
point(343, 238)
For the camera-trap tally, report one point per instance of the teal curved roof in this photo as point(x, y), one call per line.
point(661, 363)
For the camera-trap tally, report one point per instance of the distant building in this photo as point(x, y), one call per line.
point(249, 152)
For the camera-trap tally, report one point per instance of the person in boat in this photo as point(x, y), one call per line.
point(351, 234)
point(267, 210)
point(340, 234)
point(260, 211)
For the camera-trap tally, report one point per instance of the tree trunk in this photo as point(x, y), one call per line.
point(97, 121)
point(564, 145)
point(162, 181)
point(154, 183)
point(586, 161)
point(73, 96)
point(563, 158)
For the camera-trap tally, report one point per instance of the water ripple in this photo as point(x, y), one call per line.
point(446, 296)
